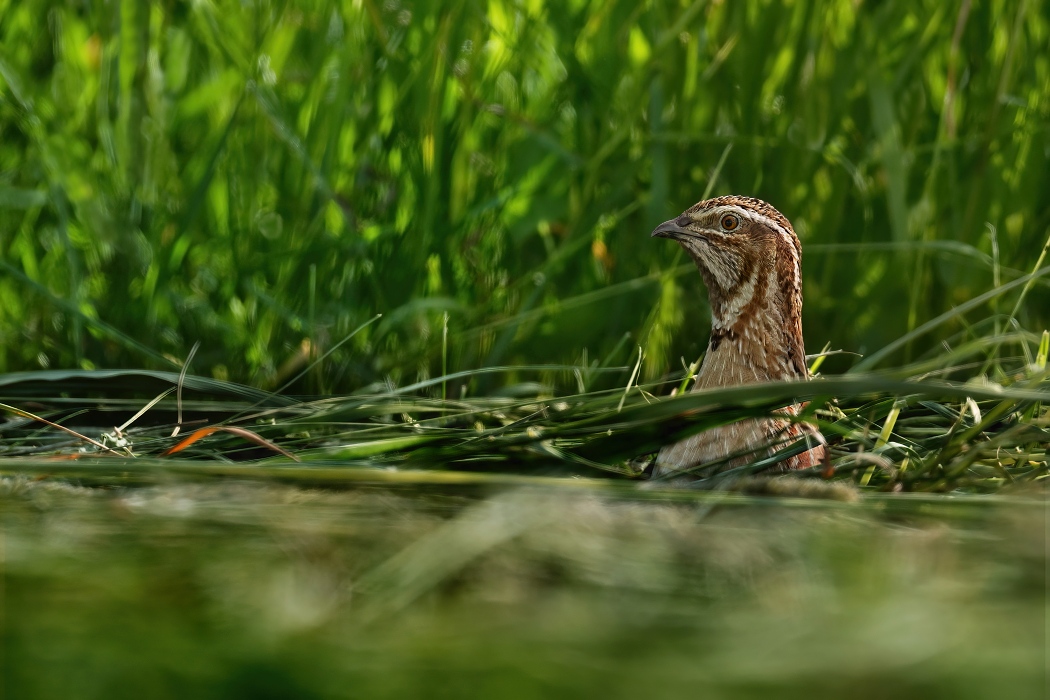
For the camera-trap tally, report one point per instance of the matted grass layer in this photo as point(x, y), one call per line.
point(891, 431)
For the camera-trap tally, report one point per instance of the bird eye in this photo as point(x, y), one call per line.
point(730, 222)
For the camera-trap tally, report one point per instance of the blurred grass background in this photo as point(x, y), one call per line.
point(265, 176)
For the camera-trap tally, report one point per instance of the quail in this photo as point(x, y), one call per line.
point(750, 261)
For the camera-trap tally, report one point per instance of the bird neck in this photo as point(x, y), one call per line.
point(756, 326)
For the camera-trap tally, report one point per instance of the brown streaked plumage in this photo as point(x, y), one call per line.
point(751, 262)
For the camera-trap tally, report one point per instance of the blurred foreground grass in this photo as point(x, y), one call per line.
point(235, 590)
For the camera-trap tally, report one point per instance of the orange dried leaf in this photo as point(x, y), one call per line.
point(201, 433)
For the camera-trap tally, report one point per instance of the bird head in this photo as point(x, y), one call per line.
point(729, 237)
point(750, 260)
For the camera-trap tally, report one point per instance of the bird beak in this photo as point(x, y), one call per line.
point(670, 229)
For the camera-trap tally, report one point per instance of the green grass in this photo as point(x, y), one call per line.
point(917, 428)
point(407, 243)
point(265, 177)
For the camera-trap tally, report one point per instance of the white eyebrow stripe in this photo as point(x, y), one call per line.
point(753, 216)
